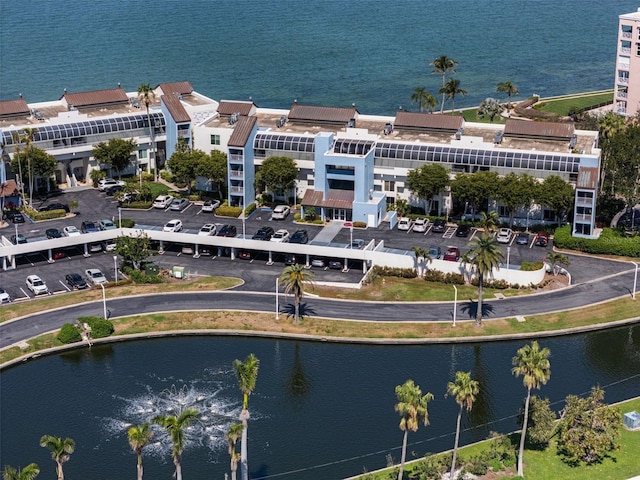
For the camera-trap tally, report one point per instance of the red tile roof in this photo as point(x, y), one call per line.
point(96, 98)
point(181, 88)
point(227, 107)
point(543, 130)
point(14, 108)
point(8, 188)
point(428, 121)
point(175, 108)
point(242, 131)
point(309, 113)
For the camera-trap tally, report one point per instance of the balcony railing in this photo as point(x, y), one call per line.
point(621, 94)
point(236, 173)
point(623, 79)
point(583, 217)
point(626, 34)
point(236, 158)
point(625, 50)
point(584, 201)
point(623, 66)
point(622, 110)
point(237, 189)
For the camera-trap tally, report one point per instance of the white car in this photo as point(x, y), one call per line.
point(207, 229)
point(71, 231)
point(281, 236)
point(420, 225)
point(4, 297)
point(162, 201)
point(504, 235)
point(280, 212)
point(95, 276)
point(106, 183)
point(404, 224)
point(174, 225)
point(210, 205)
point(36, 285)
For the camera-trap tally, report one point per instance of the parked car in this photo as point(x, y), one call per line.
point(452, 254)
point(280, 212)
point(36, 285)
point(434, 252)
point(421, 225)
point(127, 197)
point(179, 204)
point(187, 249)
point(404, 224)
point(71, 231)
point(228, 231)
point(13, 215)
point(245, 254)
point(106, 224)
point(504, 235)
point(95, 276)
point(89, 227)
point(264, 233)
point(107, 183)
point(55, 206)
point(335, 265)
point(463, 231)
point(162, 201)
point(522, 238)
point(281, 236)
point(299, 236)
point(542, 239)
point(17, 239)
point(317, 262)
point(205, 250)
point(109, 245)
point(4, 296)
point(75, 281)
point(174, 225)
point(53, 233)
point(207, 229)
point(357, 244)
point(290, 259)
point(103, 181)
point(95, 247)
point(58, 254)
point(439, 225)
point(210, 205)
point(112, 190)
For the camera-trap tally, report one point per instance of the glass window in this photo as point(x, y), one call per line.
point(142, 153)
point(215, 139)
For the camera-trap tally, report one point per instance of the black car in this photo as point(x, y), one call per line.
point(17, 239)
point(245, 254)
point(463, 231)
point(290, 259)
point(335, 265)
point(300, 236)
point(438, 225)
point(264, 233)
point(75, 281)
point(111, 191)
point(522, 239)
point(53, 233)
point(14, 215)
point(89, 227)
point(55, 206)
point(227, 231)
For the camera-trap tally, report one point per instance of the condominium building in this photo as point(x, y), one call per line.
point(627, 77)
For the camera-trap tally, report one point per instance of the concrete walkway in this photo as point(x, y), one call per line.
point(328, 233)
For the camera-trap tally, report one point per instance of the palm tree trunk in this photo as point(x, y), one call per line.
point(59, 470)
point(479, 312)
point(244, 466)
point(455, 445)
point(176, 461)
point(297, 309)
point(524, 433)
point(404, 454)
point(139, 467)
point(442, 104)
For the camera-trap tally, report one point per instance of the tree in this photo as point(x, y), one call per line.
point(116, 153)
point(532, 364)
point(232, 436)
point(589, 429)
point(61, 451)
point(541, 423)
point(401, 207)
point(475, 188)
point(247, 375)
point(27, 136)
point(278, 174)
point(464, 391)
point(175, 427)
point(427, 181)
point(35, 162)
point(294, 278)
point(412, 407)
point(214, 168)
point(450, 89)
point(486, 256)
point(609, 125)
point(557, 258)
point(490, 107)
point(134, 249)
point(623, 162)
point(421, 253)
point(510, 89)
point(147, 96)
point(184, 165)
point(424, 99)
point(556, 193)
point(29, 472)
point(441, 66)
point(139, 437)
point(489, 221)
point(515, 191)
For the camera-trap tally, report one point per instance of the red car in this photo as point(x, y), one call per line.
point(542, 239)
point(452, 254)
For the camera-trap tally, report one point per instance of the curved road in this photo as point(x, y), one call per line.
point(603, 289)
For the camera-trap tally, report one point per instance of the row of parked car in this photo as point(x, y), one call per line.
point(75, 281)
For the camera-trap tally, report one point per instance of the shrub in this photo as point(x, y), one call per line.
point(194, 197)
point(441, 277)
point(250, 208)
point(396, 272)
point(96, 176)
point(100, 327)
point(36, 216)
point(140, 205)
point(477, 465)
point(359, 224)
point(126, 223)
point(266, 199)
point(310, 217)
point(611, 242)
point(69, 333)
point(138, 276)
point(147, 177)
point(166, 176)
point(531, 266)
point(227, 211)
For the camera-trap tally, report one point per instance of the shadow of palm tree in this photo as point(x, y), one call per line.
point(290, 310)
point(471, 309)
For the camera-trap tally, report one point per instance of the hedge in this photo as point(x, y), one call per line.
point(69, 333)
point(227, 211)
point(36, 216)
point(126, 223)
point(611, 242)
point(100, 328)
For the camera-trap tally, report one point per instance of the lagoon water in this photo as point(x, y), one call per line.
point(373, 53)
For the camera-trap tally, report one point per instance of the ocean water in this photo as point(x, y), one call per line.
point(372, 53)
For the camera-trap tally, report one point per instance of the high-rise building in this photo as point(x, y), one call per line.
point(627, 79)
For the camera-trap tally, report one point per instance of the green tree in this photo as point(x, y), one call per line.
point(589, 429)
point(623, 154)
point(214, 168)
point(517, 191)
point(27, 136)
point(427, 181)
point(441, 66)
point(510, 89)
point(233, 434)
point(556, 193)
point(184, 165)
point(401, 207)
point(294, 278)
point(556, 259)
point(486, 256)
point(61, 450)
point(412, 407)
point(490, 107)
point(489, 221)
point(475, 188)
point(175, 427)
point(146, 96)
point(421, 253)
point(116, 153)
point(139, 437)
point(278, 174)
point(609, 125)
point(247, 375)
point(424, 99)
point(450, 89)
point(464, 390)
point(35, 162)
point(134, 249)
point(29, 472)
point(532, 364)
point(541, 423)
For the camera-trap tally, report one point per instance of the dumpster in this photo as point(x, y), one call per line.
point(178, 272)
point(151, 269)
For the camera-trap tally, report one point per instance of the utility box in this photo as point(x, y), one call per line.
point(632, 420)
point(151, 269)
point(178, 272)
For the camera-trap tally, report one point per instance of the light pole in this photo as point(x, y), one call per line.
point(104, 302)
point(119, 217)
point(455, 304)
point(508, 258)
point(277, 300)
point(115, 267)
point(635, 281)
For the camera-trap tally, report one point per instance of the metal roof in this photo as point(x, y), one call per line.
point(242, 131)
point(545, 130)
point(14, 108)
point(95, 98)
point(587, 178)
point(175, 108)
point(181, 88)
point(310, 113)
point(334, 199)
point(227, 107)
point(429, 121)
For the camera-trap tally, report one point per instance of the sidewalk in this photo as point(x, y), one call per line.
point(171, 186)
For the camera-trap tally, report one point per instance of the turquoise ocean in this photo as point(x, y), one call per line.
point(372, 53)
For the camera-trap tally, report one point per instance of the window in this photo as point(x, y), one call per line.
point(142, 153)
point(638, 49)
point(215, 139)
point(389, 186)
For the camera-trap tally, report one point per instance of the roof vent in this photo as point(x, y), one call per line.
point(498, 138)
point(281, 121)
point(388, 128)
point(233, 118)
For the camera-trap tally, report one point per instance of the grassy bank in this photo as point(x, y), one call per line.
point(562, 105)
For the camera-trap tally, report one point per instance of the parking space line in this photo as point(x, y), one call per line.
point(25, 293)
point(65, 286)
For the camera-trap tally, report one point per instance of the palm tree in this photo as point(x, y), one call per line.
point(175, 427)
point(61, 450)
point(418, 253)
point(557, 258)
point(294, 279)
point(424, 99)
point(412, 407)
point(464, 390)
point(487, 257)
point(441, 66)
point(139, 437)
point(27, 136)
point(247, 374)
point(532, 363)
point(489, 221)
point(234, 432)
point(510, 89)
point(29, 472)
point(147, 96)
point(490, 107)
point(452, 88)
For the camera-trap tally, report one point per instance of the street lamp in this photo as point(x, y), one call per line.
point(635, 281)
point(104, 302)
point(508, 258)
point(115, 267)
point(455, 304)
point(277, 300)
point(119, 217)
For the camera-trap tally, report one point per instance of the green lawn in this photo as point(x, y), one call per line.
point(471, 115)
point(561, 106)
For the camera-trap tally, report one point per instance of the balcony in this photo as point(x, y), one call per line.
point(621, 110)
point(623, 66)
point(624, 80)
point(236, 189)
point(585, 202)
point(621, 94)
point(236, 158)
point(583, 218)
point(236, 173)
point(626, 50)
point(626, 34)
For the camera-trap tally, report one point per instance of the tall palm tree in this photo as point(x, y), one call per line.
point(532, 364)
point(441, 66)
point(450, 89)
point(412, 407)
point(489, 221)
point(61, 451)
point(464, 390)
point(27, 136)
point(29, 472)
point(232, 436)
point(510, 89)
point(487, 257)
point(175, 427)
point(294, 279)
point(139, 437)
point(419, 253)
point(424, 99)
point(147, 96)
point(247, 374)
